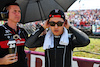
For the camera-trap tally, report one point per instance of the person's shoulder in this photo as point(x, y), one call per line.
point(22, 29)
point(2, 29)
point(1, 26)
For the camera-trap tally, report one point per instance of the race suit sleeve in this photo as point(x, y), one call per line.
point(34, 40)
point(80, 39)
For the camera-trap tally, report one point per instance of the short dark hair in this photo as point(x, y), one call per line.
point(11, 4)
point(7, 5)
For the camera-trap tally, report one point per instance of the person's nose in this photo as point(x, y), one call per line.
point(56, 26)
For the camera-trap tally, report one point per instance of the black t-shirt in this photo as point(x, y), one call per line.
point(7, 33)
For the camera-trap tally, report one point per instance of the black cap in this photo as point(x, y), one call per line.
point(57, 13)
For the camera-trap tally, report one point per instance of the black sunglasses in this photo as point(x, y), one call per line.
point(59, 23)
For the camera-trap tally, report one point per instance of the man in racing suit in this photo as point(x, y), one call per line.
point(58, 55)
point(10, 31)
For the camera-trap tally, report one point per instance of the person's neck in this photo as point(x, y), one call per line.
point(12, 25)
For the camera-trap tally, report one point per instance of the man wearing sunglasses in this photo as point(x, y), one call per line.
point(57, 43)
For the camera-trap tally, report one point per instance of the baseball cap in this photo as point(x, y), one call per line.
point(57, 13)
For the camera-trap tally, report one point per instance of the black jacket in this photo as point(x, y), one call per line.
point(6, 33)
point(59, 56)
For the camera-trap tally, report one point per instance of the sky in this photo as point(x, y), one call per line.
point(85, 4)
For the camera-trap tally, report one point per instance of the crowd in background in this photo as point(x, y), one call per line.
point(84, 17)
point(81, 19)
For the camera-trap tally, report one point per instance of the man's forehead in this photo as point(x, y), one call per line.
point(15, 7)
point(56, 19)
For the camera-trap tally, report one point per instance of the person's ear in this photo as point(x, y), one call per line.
point(65, 23)
point(48, 23)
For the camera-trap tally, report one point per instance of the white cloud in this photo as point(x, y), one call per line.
point(86, 4)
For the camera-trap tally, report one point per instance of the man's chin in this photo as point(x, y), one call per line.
point(56, 34)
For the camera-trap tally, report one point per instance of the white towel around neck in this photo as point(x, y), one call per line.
point(49, 39)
